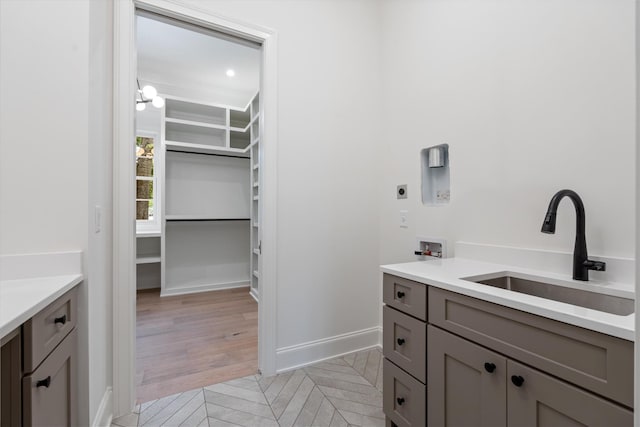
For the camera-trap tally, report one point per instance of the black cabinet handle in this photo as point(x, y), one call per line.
point(400, 341)
point(400, 294)
point(400, 401)
point(517, 380)
point(44, 383)
point(62, 319)
point(489, 367)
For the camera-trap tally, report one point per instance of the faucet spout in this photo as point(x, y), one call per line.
point(581, 262)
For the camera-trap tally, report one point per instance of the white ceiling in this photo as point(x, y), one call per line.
point(191, 64)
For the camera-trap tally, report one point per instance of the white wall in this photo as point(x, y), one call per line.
point(328, 163)
point(44, 47)
point(532, 97)
point(55, 156)
point(100, 262)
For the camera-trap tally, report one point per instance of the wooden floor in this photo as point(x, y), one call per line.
point(192, 341)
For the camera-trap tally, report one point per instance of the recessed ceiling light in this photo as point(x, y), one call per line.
point(230, 73)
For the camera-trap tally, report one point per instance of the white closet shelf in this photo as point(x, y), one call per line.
point(256, 184)
point(256, 166)
point(201, 218)
point(144, 178)
point(147, 259)
point(204, 149)
point(237, 129)
point(255, 224)
point(142, 234)
point(195, 123)
point(256, 197)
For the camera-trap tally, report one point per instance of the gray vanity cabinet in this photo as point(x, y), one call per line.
point(38, 368)
point(490, 365)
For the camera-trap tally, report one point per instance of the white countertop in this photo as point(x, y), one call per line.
point(20, 299)
point(448, 274)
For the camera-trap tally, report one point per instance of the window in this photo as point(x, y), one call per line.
point(146, 183)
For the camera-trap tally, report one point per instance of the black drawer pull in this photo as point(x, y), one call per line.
point(400, 401)
point(45, 382)
point(400, 294)
point(517, 380)
point(400, 341)
point(62, 319)
point(489, 367)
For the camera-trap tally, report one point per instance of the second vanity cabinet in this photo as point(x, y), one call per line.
point(38, 368)
point(491, 365)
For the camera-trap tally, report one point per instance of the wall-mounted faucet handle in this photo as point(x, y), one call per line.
point(595, 265)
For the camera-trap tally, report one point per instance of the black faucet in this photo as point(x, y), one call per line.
point(581, 262)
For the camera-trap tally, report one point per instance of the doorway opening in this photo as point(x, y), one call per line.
point(125, 88)
point(198, 206)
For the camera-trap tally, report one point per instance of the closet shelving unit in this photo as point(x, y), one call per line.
point(207, 214)
point(255, 154)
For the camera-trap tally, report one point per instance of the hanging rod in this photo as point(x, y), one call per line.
point(205, 219)
point(207, 154)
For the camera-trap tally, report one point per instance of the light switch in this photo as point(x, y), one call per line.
point(404, 219)
point(98, 218)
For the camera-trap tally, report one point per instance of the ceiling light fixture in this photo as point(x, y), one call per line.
point(230, 73)
point(148, 94)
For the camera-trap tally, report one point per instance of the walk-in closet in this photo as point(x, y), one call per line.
point(198, 153)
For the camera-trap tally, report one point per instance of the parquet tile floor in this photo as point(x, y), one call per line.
point(345, 391)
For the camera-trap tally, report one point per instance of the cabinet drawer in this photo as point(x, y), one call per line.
point(48, 394)
point(44, 331)
point(404, 342)
point(598, 362)
point(404, 398)
point(405, 295)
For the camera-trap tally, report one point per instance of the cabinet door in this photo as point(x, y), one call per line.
point(49, 397)
point(10, 379)
point(537, 399)
point(466, 382)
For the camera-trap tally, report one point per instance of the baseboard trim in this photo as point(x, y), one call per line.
point(104, 414)
point(297, 356)
point(203, 288)
point(254, 294)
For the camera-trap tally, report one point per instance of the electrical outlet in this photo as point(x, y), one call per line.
point(404, 219)
point(401, 191)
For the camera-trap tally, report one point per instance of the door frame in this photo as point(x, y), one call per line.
point(124, 243)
